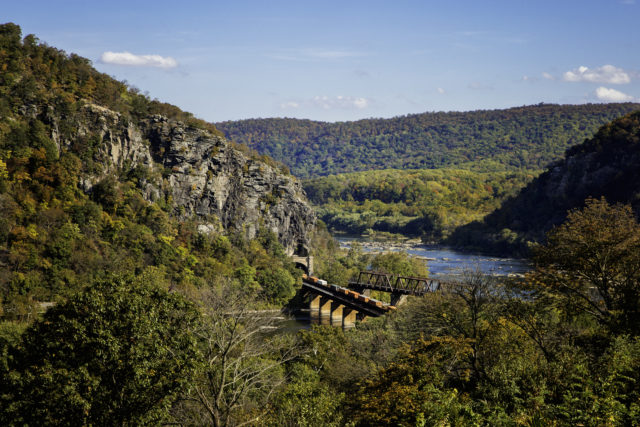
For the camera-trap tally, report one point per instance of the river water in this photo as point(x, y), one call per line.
point(443, 261)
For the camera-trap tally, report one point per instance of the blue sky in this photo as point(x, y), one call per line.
point(346, 60)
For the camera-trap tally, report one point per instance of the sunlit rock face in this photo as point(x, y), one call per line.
point(200, 175)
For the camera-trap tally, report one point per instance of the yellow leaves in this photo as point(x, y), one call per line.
point(182, 252)
point(117, 225)
point(166, 239)
point(21, 176)
point(44, 174)
point(106, 218)
point(4, 173)
point(32, 231)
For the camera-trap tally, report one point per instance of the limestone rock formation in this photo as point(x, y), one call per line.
point(200, 175)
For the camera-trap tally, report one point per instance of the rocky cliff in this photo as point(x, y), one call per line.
point(200, 175)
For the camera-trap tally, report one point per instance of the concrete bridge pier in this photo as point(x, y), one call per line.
point(314, 308)
point(325, 310)
point(314, 303)
point(398, 299)
point(336, 313)
point(349, 318)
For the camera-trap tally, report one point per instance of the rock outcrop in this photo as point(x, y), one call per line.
point(607, 165)
point(202, 176)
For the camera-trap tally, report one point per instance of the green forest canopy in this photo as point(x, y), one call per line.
point(513, 139)
point(430, 203)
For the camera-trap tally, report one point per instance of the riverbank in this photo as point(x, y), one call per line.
point(441, 260)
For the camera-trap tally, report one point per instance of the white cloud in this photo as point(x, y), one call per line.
point(289, 104)
point(360, 103)
point(612, 95)
point(548, 76)
point(441, 91)
point(342, 102)
point(128, 58)
point(329, 103)
point(605, 74)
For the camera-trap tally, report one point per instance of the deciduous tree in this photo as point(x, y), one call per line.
point(115, 354)
point(592, 264)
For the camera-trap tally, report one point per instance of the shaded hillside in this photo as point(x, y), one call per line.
point(517, 138)
point(607, 165)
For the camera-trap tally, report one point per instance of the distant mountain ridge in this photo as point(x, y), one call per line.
point(518, 138)
point(607, 165)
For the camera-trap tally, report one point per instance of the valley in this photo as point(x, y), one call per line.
point(149, 258)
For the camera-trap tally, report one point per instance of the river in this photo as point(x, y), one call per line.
point(443, 261)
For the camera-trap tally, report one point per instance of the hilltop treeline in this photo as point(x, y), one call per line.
point(517, 138)
point(36, 75)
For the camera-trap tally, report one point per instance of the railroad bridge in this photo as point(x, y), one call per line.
point(344, 306)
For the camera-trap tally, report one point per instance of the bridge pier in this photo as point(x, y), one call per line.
point(336, 313)
point(325, 306)
point(314, 302)
point(398, 299)
point(314, 308)
point(349, 318)
point(325, 310)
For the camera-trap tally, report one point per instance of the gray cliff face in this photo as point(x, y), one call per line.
point(201, 175)
point(208, 177)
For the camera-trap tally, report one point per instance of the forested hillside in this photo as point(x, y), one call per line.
point(607, 165)
point(426, 203)
point(513, 139)
point(82, 194)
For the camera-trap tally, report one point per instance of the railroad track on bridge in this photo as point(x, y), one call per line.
point(348, 297)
